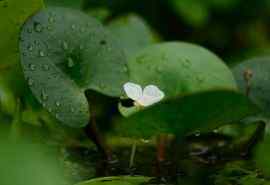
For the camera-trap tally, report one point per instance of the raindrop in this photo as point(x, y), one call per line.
point(41, 53)
point(32, 67)
point(49, 27)
point(185, 63)
point(57, 104)
point(37, 27)
point(30, 81)
point(44, 96)
point(125, 69)
point(65, 45)
point(51, 19)
point(70, 62)
point(72, 109)
point(30, 48)
point(50, 109)
point(73, 26)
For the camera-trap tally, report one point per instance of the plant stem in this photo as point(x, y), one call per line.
point(133, 153)
point(93, 133)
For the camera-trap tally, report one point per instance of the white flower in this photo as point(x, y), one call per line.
point(143, 97)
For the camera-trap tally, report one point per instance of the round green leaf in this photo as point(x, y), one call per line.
point(132, 32)
point(183, 114)
point(178, 67)
point(259, 81)
point(120, 180)
point(65, 52)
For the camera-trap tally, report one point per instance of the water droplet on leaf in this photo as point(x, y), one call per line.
point(37, 27)
point(41, 53)
point(32, 67)
point(70, 62)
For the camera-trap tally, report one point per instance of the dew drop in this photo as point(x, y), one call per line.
point(72, 110)
point(49, 28)
point(70, 62)
point(65, 45)
point(30, 81)
point(44, 96)
point(125, 69)
point(51, 19)
point(32, 67)
point(37, 27)
point(41, 53)
point(57, 104)
point(73, 26)
point(30, 48)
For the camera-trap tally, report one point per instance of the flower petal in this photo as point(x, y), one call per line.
point(151, 94)
point(133, 91)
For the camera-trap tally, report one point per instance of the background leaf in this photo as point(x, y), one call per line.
point(259, 82)
point(133, 33)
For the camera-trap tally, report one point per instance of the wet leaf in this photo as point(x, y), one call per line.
point(64, 53)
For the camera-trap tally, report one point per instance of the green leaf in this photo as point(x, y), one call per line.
point(178, 67)
point(259, 81)
point(64, 53)
point(13, 14)
point(120, 180)
point(193, 12)
point(184, 114)
point(133, 33)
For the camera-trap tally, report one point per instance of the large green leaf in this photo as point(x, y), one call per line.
point(65, 52)
point(120, 180)
point(183, 114)
point(13, 14)
point(259, 81)
point(132, 32)
point(261, 156)
point(178, 67)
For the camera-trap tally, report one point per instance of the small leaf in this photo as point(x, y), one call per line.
point(132, 32)
point(120, 180)
point(184, 114)
point(66, 53)
point(258, 84)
